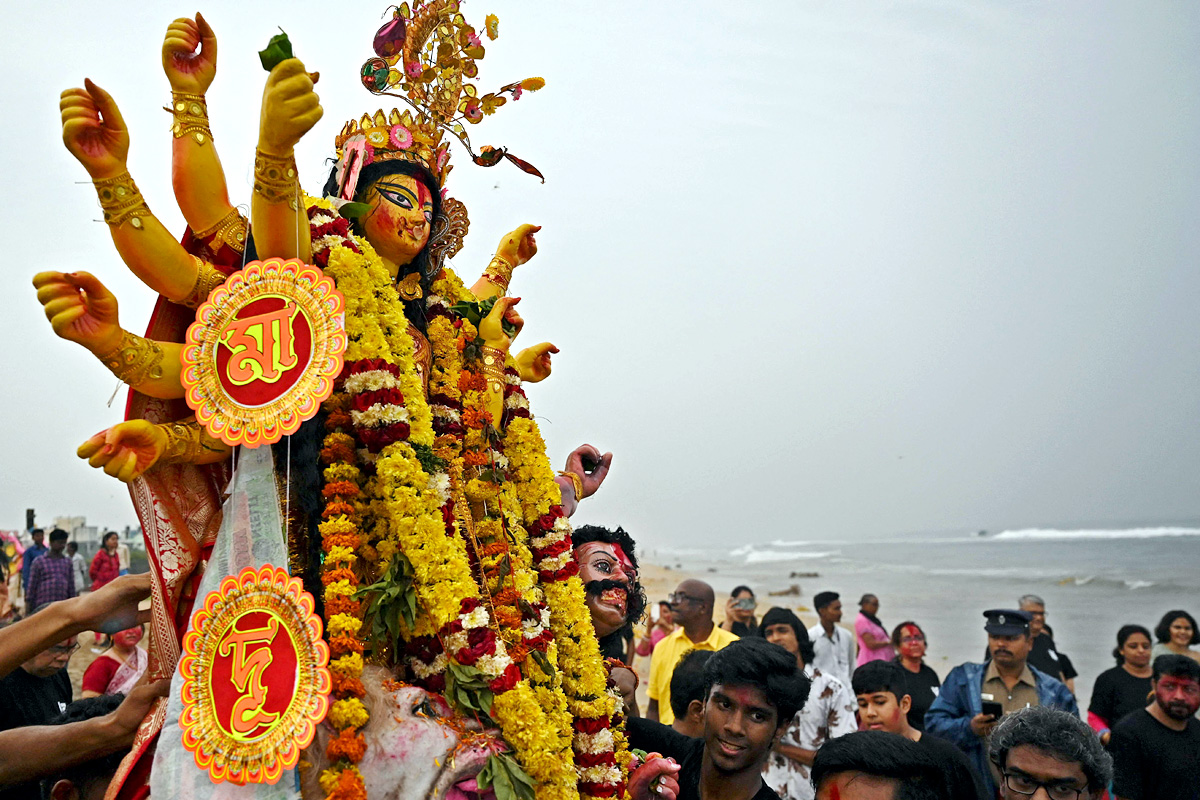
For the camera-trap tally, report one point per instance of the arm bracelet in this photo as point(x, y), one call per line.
point(576, 482)
point(230, 231)
point(121, 200)
point(275, 179)
point(191, 117)
point(208, 278)
point(186, 442)
point(499, 272)
point(135, 359)
point(493, 367)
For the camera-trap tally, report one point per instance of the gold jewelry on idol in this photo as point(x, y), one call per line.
point(276, 180)
point(183, 442)
point(208, 278)
point(576, 481)
point(135, 359)
point(230, 230)
point(410, 286)
point(191, 117)
point(121, 200)
point(493, 367)
point(499, 272)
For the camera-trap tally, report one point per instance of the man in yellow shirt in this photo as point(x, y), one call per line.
point(692, 608)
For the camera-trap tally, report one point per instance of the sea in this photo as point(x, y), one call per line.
point(1093, 581)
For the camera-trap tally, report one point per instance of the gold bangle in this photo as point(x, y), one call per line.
point(183, 442)
point(135, 359)
point(191, 117)
point(576, 481)
point(230, 230)
point(493, 367)
point(208, 278)
point(275, 179)
point(121, 200)
point(499, 271)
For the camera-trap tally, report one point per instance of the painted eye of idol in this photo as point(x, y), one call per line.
point(403, 197)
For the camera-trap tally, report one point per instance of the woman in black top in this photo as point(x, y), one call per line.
point(1126, 687)
point(923, 682)
point(739, 612)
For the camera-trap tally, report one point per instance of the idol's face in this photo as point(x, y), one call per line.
point(607, 576)
point(399, 221)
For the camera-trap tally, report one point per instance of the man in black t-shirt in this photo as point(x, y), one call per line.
point(883, 704)
point(1157, 751)
point(33, 694)
point(753, 689)
point(1048, 753)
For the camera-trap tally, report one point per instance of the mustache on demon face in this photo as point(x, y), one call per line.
point(635, 595)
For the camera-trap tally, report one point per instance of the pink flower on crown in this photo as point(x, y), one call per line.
point(413, 69)
point(400, 137)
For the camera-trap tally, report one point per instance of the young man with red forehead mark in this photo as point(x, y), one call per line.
point(1156, 752)
point(752, 690)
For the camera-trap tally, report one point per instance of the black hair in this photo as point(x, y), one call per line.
point(98, 769)
point(883, 755)
point(414, 310)
point(72, 544)
point(896, 631)
point(880, 676)
point(37, 530)
point(739, 589)
point(822, 599)
point(1176, 666)
point(636, 599)
point(756, 662)
point(1123, 636)
point(1064, 737)
point(785, 616)
point(107, 534)
point(1163, 630)
point(687, 681)
point(59, 535)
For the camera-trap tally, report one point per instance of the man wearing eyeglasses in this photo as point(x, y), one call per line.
point(33, 694)
point(692, 609)
point(1047, 753)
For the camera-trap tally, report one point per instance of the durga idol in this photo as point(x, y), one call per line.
point(420, 507)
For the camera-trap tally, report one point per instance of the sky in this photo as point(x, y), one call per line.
point(817, 269)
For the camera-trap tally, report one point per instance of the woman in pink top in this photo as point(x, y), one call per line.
point(662, 626)
point(874, 644)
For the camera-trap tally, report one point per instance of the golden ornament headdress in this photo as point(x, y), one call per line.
point(428, 53)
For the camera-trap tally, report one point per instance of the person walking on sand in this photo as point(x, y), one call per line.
point(833, 645)
point(692, 604)
point(51, 578)
point(1122, 690)
point(874, 644)
point(923, 683)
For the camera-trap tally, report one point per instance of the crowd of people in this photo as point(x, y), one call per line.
point(1006, 727)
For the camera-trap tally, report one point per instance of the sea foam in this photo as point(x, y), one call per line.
point(1053, 534)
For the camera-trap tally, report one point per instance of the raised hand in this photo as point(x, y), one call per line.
point(599, 464)
point(94, 131)
point(491, 328)
point(290, 108)
point(657, 778)
point(519, 246)
point(80, 309)
point(125, 450)
point(189, 70)
point(534, 362)
point(115, 607)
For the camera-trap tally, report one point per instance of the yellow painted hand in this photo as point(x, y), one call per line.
point(290, 108)
point(125, 450)
point(491, 328)
point(80, 309)
point(534, 362)
point(188, 69)
point(519, 246)
point(93, 130)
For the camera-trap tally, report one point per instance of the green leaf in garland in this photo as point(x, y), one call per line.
point(279, 49)
point(506, 778)
point(354, 211)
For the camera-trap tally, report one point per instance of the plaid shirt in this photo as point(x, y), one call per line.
point(51, 579)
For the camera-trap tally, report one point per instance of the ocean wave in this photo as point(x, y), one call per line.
point(1053, 534)
point(765, 556)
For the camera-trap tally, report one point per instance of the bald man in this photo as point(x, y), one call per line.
point(692, 609)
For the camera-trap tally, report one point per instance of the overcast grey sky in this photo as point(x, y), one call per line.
point(817, 269)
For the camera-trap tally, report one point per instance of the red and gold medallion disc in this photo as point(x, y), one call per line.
point(255, 677)
point(264, 351)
